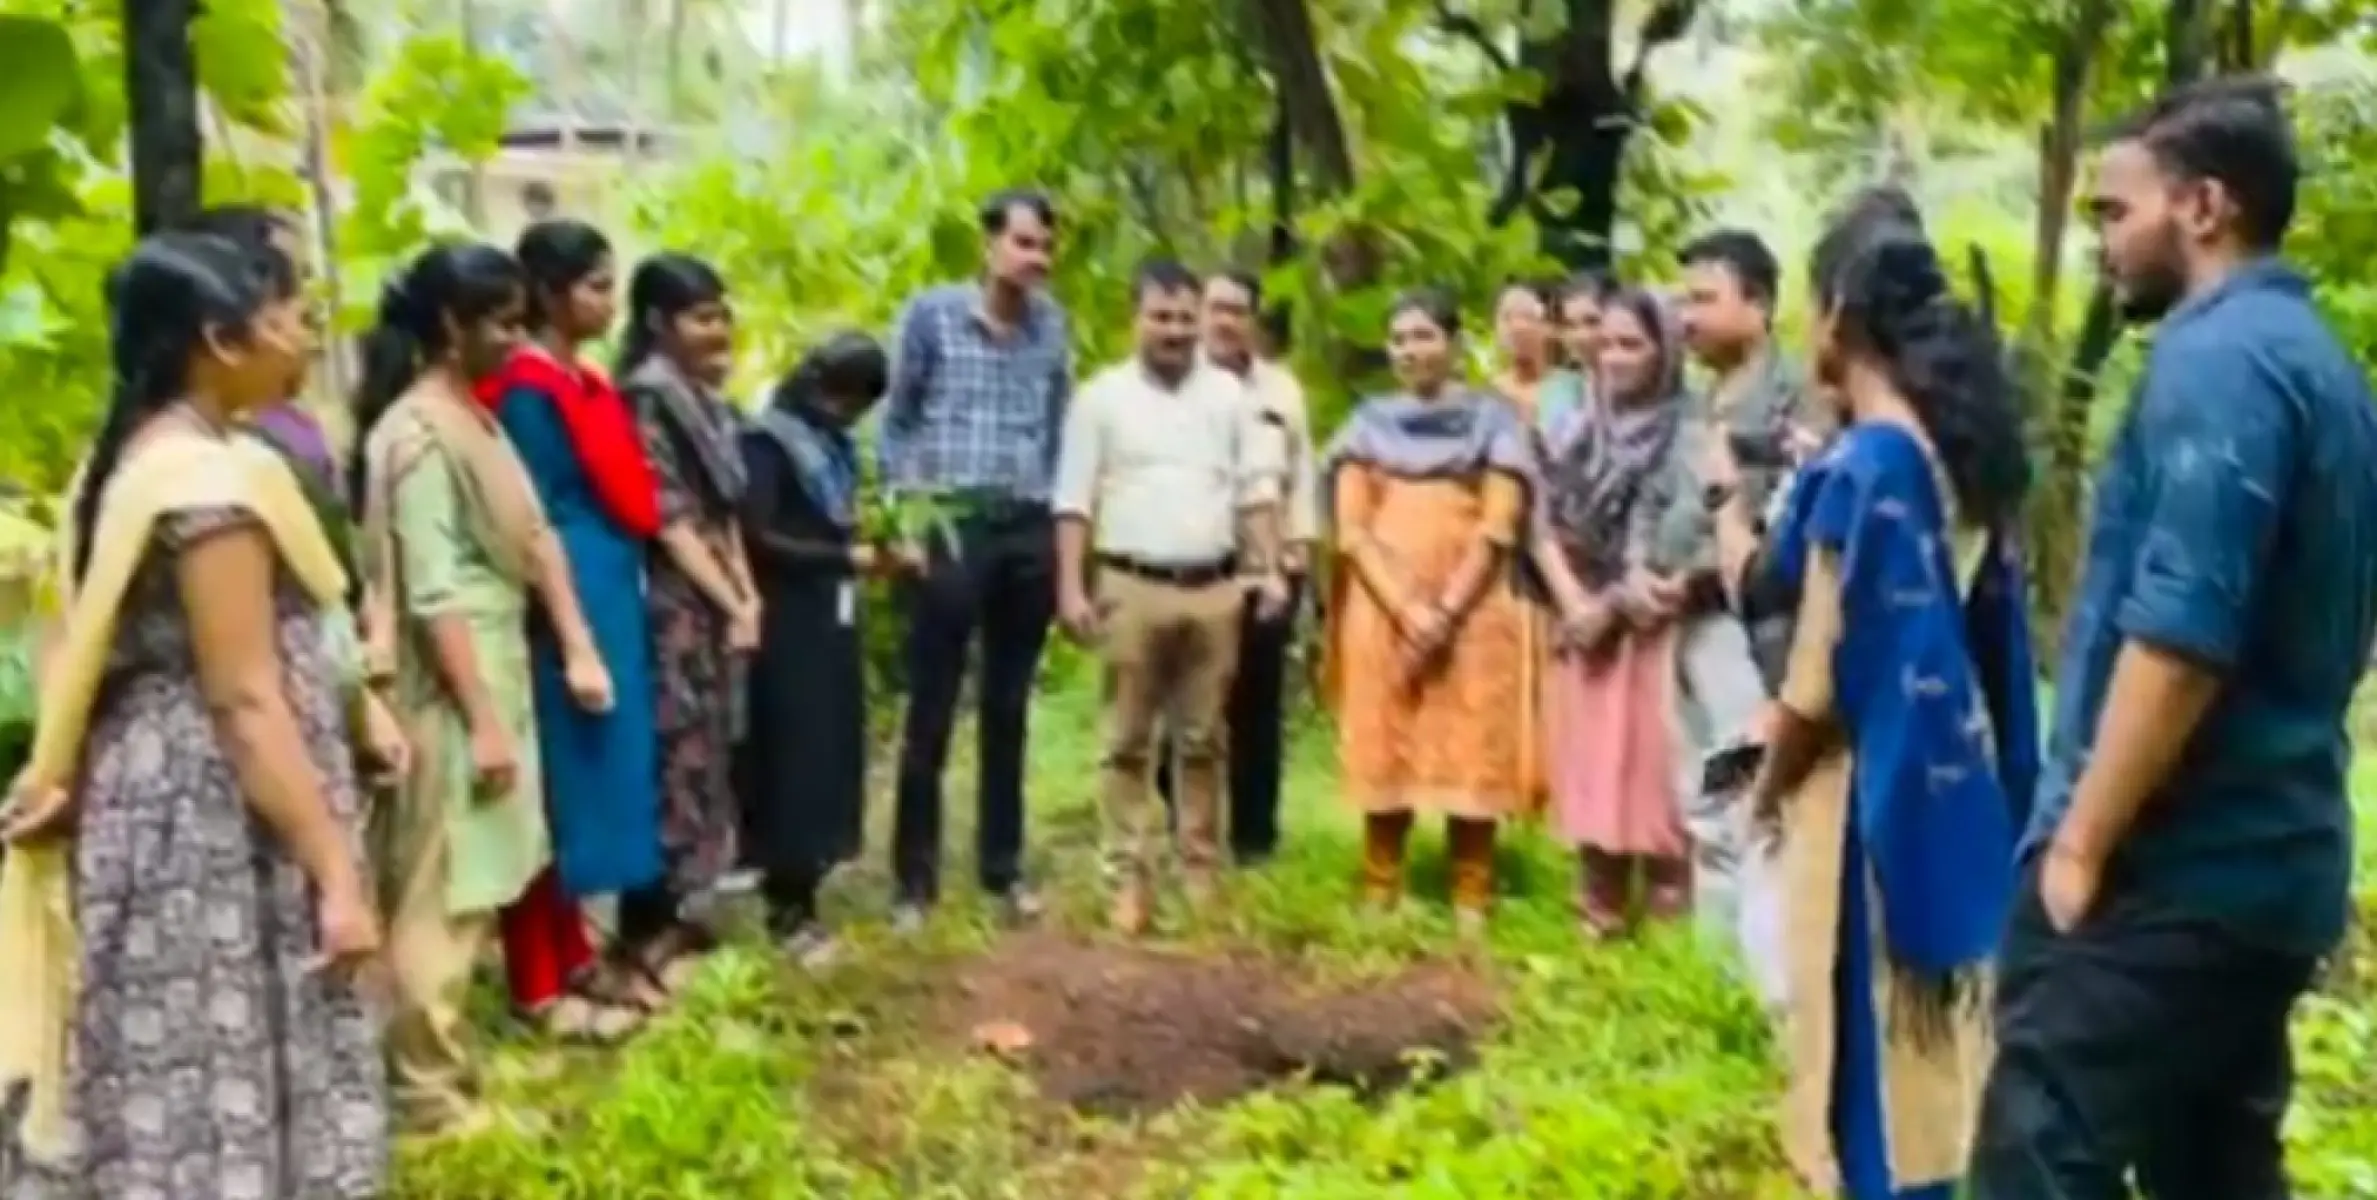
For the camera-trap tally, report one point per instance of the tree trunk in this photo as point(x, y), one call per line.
point(313, 27)
point(1579, 127)
point(474, 173)
point(2054, 518)
point(161, 92)
point(2187, 51)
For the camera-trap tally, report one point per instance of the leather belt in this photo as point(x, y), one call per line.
point(1177, 574)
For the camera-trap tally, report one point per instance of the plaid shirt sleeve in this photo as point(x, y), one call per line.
point(912, 361)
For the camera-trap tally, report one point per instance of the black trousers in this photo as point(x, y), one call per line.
point(1002, 582)
point(1257, 738)
point(2145, 1039)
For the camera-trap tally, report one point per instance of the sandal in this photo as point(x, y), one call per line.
point(575, 1018)
point(622, 985)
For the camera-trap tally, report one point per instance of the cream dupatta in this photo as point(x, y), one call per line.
point(174, 472)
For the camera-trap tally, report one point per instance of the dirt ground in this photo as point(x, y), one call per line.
point(1122, 1030)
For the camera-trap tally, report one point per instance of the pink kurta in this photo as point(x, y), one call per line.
point(1613, 747)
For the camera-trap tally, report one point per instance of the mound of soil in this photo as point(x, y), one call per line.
point(1124, 1030)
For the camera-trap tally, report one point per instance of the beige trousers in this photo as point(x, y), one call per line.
point(1170, 652)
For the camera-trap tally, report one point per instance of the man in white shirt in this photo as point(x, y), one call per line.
point(1164, 459)
point(1232, 305)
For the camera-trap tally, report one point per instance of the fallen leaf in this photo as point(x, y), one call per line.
point(1006, 1039)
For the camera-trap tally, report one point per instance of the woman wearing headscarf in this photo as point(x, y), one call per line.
point(803, 776)
point(1614, 470)
point(1430, 488)
point(679, 348)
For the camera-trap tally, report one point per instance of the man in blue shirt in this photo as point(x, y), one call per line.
point(2190, 851)
point(981, 371)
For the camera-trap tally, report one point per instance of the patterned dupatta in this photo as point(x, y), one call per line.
point(1934, 691)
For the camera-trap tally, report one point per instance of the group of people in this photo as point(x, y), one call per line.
point(1761, 650)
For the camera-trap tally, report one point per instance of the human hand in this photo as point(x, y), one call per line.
point(494, 763)
point(1077, 613)
point(742, 627)
point(588, 680)
point(1426, 626)
point(347, 928)
point(1646, 597)
point(1271, 597)
point(1583, 625)
point(907, 558)
point(383, 736)
point(2068, 883)
point(33, 811)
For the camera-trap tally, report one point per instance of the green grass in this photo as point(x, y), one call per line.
point(1627, 1072)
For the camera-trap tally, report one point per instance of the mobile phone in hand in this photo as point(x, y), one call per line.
point(1731, 769)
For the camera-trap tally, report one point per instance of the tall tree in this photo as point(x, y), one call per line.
point(1568, 141)
point(161, 89)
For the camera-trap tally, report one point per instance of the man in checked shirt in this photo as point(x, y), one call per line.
point(981, 372)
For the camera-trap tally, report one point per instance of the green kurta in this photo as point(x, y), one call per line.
point(493, 844)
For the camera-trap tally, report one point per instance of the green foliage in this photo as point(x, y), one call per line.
point(1148, 121)
point(436, 95)
point(2335, 232)
point(1626, 1072)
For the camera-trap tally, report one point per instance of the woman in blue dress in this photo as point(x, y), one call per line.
point(1905, 741)
point(578, 438)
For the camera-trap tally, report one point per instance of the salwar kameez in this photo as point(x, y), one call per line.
point(1420, 488)
point(696, 678)
point(203, 1052)
point(1897, 860)
point(452, 854)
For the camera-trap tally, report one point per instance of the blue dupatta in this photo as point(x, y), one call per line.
point(1936, 698)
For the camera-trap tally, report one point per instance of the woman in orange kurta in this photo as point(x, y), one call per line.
point(1427, 639)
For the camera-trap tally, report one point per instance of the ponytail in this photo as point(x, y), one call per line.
point(394, 352)
point(1894, 296)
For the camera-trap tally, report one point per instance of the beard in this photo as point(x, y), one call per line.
point(2151, 287)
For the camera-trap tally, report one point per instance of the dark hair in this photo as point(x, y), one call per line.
point(1161, 275)
point(555, 256)
point(463, 282)
point(163, 299)
point(1597, 285)
point(665, 285)
point(1877, 203)
point(249, 226)
point(1001, 205)
point(1890, 296)
point(2234, 132)
point(1434, 303)
point(1245, 281)
point(1743, 255)
point(847, 365)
